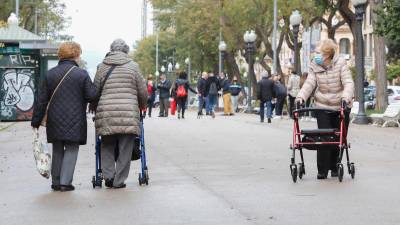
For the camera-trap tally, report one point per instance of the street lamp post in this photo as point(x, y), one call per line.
point(249, 38)
point(187, 62)
point(359, 5)
point(295, 21)
point(222, 50)
point(170, 68)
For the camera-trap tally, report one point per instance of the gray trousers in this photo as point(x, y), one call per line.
point(118, 170)
point(164, 105)
point(63, 162)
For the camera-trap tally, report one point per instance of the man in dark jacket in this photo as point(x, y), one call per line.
point(235, 89)
point(212, 89)
point(66, 126)
point(225, 84)
point(281, 93)
point(265, 93)
point(164, 86)
point(201, 92)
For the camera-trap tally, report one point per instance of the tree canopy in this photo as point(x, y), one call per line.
point(50, 14)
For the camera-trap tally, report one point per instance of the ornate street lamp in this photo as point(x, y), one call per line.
point(295, 21)
point(359, 5)
point(222, 50)
point(177, 66)
point(187, 62)
point(162, 69)
point(249, 38)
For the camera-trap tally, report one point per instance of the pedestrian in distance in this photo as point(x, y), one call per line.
point(330, 80)
point(293, 88)
point(151, 92)
point(164, 87)
point(281, 93)
point(122, 94)
point(202, 93)
point(212, 88)
point(265, 93)
point(63, 97)
point(235, 89)
point(225, 85)
point(181, 88)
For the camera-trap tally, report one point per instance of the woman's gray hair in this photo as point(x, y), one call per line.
point(119, 45)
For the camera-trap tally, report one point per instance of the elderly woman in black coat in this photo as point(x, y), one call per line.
point(64, 94)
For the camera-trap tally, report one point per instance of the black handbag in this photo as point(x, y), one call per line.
point(135, 153)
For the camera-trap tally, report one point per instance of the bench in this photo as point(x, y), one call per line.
point(391, 115)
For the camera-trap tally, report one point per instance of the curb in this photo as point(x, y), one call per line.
point(6, 127)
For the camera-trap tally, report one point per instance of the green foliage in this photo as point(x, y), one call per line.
point(51, 16)
point(393, 71)
point(388, 26)
point(145, 52)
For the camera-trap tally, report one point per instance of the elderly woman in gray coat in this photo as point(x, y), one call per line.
point(123, 95)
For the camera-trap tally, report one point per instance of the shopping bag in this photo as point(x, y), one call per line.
point(41, 155)
point(173, 106)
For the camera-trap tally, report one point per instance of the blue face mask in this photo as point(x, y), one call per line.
point(318, 59)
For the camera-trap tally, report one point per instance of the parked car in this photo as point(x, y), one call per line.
point(370, 97)
point(393, 94)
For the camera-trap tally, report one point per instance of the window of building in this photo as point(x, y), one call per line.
point(344, 46)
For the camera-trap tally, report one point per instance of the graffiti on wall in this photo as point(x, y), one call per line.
point(18, 93)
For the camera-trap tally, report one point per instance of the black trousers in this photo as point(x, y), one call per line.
point(280, 100)
point(181, 102)
point(291, 105)
point(327, 157)
point(150, 104)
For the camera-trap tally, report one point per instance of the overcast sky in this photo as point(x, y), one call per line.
point(95, 24)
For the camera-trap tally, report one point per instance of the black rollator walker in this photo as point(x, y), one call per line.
point(313, 139)
point(97, 179)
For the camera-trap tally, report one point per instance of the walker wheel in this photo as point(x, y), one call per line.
point(94, 181)
point(302, 171)
point(293, 170)
point(146, 177)
point(140, 179)
point(352, 170)
point(340, 171)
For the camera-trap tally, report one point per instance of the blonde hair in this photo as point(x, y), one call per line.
point(69, 50)
point(328, 47)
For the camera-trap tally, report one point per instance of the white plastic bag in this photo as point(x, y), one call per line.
point(41, 155)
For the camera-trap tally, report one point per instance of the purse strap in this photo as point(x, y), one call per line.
point(106, 78)
point(58, 85)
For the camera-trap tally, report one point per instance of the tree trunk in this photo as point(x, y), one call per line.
point(380, 64)
point(232, 67)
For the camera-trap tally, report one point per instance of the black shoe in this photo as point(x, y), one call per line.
point(321, 176)
point(120, 186)
point(183, 116)
point(207, 113)
point(109, 183)
point(269, 120)
point(334, 173)
point(262, 120)
point(179, 116)
point(65, 188)
point(56, 187)
point(160, 115)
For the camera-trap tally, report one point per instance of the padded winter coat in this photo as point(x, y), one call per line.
point(330, 85)
point(124, 94)
point(66, 118)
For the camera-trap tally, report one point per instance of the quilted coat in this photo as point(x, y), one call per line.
point(330, 85)
point(123, 95)
point(66, 118)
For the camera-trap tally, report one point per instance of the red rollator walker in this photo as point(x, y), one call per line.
point(314, 139)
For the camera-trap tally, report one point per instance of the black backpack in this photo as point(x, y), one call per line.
point(213, 89)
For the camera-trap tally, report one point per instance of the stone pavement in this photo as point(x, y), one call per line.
point(230, 170)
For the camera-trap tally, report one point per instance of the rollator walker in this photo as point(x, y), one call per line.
point(97, 179)
point(314, 139)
